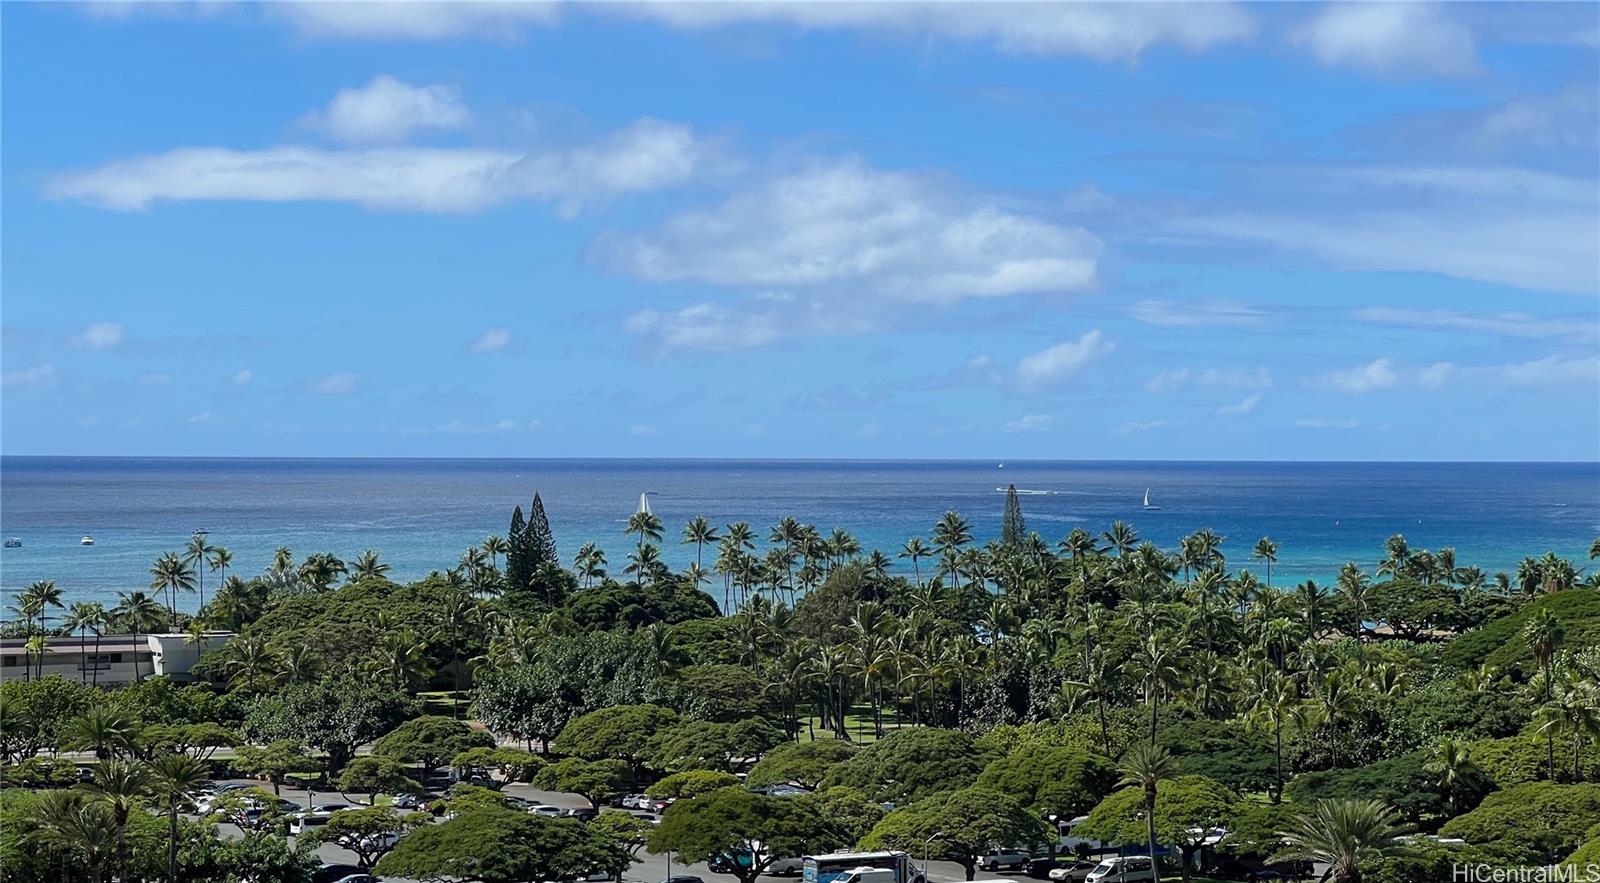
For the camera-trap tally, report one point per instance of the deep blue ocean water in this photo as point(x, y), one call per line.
point(420, 514)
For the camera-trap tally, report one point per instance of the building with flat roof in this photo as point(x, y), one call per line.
point(117, 660)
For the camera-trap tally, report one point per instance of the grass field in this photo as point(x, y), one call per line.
point(858, 723)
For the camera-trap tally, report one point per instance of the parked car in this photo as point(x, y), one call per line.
point(542, 809)
point(1123, 869)
point(360, 878)
point(335, 873)
point(1075, 872)
point(408, 801)
point(314, 817)
point(786, 867)
point(631, 801)
point(581, 813)
point(684, 878)
point(1010, 859)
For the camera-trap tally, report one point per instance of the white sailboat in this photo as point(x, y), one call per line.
point(644, 503)
point(1147, 500)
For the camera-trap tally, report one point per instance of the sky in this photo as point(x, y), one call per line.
point(1091, 231)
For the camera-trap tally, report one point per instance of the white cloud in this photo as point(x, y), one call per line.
point(1325, 423)
point(99, 336)
point(1435, 375)
point(1241, 407)
point(243, 376)
point(1500, 324)
point(643, 429)
point(202, 417)
point(414, 21)
point(1101, 31)
point(492, 341)
point(1106, 31)
point(459, 427)
point(1199, 313)
point(336, 384)
point(850, 228)
point(1140, 426)
point(1177, 378)
point(648, 155)
point(705, 326)
point(388, 109)
point(1059, 363)
point(1389, 38)
point(38, 375)
point(1376, 374)
point(1553, 371)
point(155, 378)
point(1030, 423)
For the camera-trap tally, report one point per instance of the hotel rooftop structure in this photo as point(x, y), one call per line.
point(118, 659)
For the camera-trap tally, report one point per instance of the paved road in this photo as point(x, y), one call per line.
point(649, 868)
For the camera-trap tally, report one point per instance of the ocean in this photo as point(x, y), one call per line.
point(421, 514)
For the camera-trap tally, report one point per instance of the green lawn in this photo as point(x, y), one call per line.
point(858, 723)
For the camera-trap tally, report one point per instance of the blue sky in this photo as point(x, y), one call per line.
point(1284, 231)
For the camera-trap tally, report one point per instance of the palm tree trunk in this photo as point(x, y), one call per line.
point(1277, 737)
point(96, 678)
point(1150, 828)
point(172, 844)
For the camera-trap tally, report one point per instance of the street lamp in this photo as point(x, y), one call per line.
point(927, 852)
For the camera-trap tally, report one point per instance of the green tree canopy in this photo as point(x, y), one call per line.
point(691, 783)
point(732, 821)
point(495, 845)
point(430, 741)
point(1051, 780)
point(800, 763)
point(1538, 821)
point(336, 715)
point(1188, 809)
point(595, 780)
point(621, 732)
point(376, 774)
point(713, 745)
point(910, 764)
point(510, 764)
point(362, 831)
point(969, 822)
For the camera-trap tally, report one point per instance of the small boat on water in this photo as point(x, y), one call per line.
point(86, 541)
point(13, 543)
point(1147, 500)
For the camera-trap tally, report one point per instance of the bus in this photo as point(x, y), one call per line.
point(830, 867)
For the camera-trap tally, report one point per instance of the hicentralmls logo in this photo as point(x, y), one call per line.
point(1486, 873)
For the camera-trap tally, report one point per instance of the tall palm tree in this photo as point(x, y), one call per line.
point(121, 784)
point(916, 550)
point(1145, 766)
point(367, 566)
point(79, 830)
point(221, 559)
point(951, 532)
point(495, 546)
point(1355, 588)
point(1574, 713)
point(699, 531)
point(1266, 550)
point(1344, 834)
point(174, 778)
point(1452, 763)
point(1121, 538)
point(107, 730)
point(1544, 634)
point(197, 553)
point(647, 525)
point(171, 574)
point(139, 612)
point(80, 618)
point(252, 664)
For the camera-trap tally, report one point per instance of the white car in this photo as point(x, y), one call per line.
point(786, 867)
point(1123, 869)
point(314, 817)
point(632, 801)
point(554, 812)
point(1073, 873)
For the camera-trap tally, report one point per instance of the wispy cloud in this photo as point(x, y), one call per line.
point(1326, 423)
point(1235, 378)
point(648, 155)
point(336, 384)
point(1030, 423)
point(1374, 375)
point(1197, 313)
point(38, 375)
point(387, 110)
point(243, 376)
point(491, 341)
point(706, 326)
point(1054, 366)
point(99, 336)
point(1553, 371)
point(1519, 325)
point(1133, 426)
point(1435, 375)
point(1241, 407)
point(1389, 38)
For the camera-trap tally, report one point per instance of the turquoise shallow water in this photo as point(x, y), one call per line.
point(420, 514)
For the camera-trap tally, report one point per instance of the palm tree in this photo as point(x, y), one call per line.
point(590, 563)
point(1574, 713)
point(106, 729)
point(368, 566)
point(1274, 706)
point(1121, 538)
point(251, 664)
point(121, 784)
point(139, 612)
point(175, 777)
point(1266, 550)
point(916, 550)
point(1544, 634)
point(320, 569)
point(72, 826)
point(221, 559)
point(495, 546)
point(171, 574)
point(952, 532)
point(1453, 764)
point(197, 553)
point(1354, 587)
point(83, 616)
point(699, 531)
point(1145, 766)
point(1344, 834)
point(647, 525)
point(297, 664)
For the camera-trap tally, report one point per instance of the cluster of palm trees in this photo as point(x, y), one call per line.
point(87, 827)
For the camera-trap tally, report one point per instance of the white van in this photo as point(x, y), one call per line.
point(1123, 869)
point(866, 875)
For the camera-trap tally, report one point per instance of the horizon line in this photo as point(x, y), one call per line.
point(575, 459)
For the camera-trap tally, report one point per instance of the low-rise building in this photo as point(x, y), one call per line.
point(113, 661)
